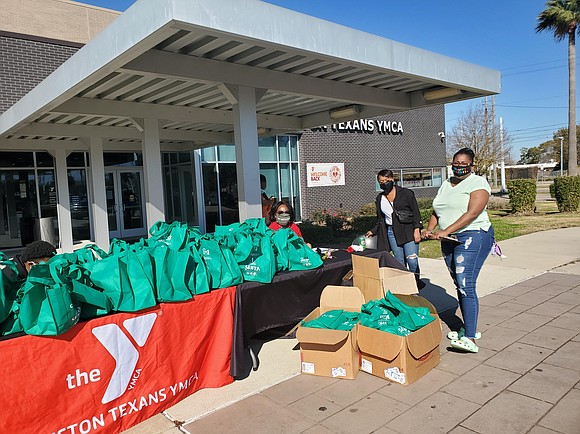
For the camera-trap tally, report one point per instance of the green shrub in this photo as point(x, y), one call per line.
point(425, 215)
point(553, 190)
point(337, 220)
point(315, 234)
point(363, 223)
point(425, 203)
point(522, 194)
point(368, 209)
point(567, 193)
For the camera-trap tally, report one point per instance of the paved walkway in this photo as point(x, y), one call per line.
point(525, 378)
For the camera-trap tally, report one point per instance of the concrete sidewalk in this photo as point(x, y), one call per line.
point(524, 379)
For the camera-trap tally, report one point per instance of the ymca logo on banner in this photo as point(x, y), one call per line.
point(120, 347)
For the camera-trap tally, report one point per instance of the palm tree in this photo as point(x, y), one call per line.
point(563, 18)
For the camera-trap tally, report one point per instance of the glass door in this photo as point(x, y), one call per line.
point(125, 205)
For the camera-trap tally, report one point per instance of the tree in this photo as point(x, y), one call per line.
point(530, 155)
point(562, 17)
point(476, 129)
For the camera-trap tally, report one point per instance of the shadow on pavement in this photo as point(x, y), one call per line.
point(445, 304)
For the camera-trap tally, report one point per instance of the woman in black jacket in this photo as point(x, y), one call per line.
point(398, 223)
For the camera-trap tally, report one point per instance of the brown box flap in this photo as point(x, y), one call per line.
point(363, 266)
point(341, 297)
point(380, 344)
point(424, 340)
point(321, 336)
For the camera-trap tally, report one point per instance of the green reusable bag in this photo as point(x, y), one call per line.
point(412, 318)
point(172, 272)
point(175, 235)
point(280, 243)
point(127, 279)
point(92, 301)
point(198, 282)
point(337, 319)
point(260, 265)
point(46, 307)
point(229, 229)
point(9, 285)
point(219, 261)
point(300, 256)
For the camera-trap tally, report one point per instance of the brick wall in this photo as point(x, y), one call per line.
point(364, 154)
point(25, 63)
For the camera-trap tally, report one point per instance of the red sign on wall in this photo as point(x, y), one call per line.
point(110, 373)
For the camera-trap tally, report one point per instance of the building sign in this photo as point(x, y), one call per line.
point(368, 126)
point(324, 174)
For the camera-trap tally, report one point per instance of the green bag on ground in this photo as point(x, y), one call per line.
point(300, 256)
point(260, 264)
point(46, 307)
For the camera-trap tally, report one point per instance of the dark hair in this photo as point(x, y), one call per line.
point(465, 151)
point(38, 250)
point(387, 173)
point(278, 205)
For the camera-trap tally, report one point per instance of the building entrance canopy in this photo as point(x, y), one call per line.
point(184, 74)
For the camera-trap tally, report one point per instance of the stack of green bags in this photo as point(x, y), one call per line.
point(391, 315)
point(388, 314)
point(335, 320)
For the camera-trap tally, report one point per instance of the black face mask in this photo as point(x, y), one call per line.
point(461, 170)
point(387, 186)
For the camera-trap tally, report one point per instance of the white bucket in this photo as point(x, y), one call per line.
point(371, 242)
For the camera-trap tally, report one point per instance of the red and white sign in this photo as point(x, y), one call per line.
point(324, 174)
point(110, 373)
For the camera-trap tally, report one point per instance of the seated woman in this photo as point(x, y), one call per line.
point(282, 216)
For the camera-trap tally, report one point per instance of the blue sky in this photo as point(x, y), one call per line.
point(498, 34)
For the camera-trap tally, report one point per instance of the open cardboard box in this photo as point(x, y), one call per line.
point(401, 359)
point(331, 353)
point(375, 281)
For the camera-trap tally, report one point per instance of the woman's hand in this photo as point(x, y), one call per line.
point(417, 235)
point(426, 234)
point(369, 234)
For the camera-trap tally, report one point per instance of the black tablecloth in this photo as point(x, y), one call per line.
point(287, 300)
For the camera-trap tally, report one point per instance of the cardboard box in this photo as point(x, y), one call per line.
point(375, 281)
point(401, 359)
point(331, 353)
point(347, 279)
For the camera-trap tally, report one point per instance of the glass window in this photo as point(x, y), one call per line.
point(210, 194)
point(437, 176)
point(184, 157)
point(44, 159)
point(164, 158)
point(169, 216)
point(208, 154)
point(418, 178)
point(16, 159)
point(75, 159)
point(270, 171)
point(227, 153)
point(285, 182)
point(294, 148)
point(123, 159)
point(79, 204)
point(267, 148)
point(47, 190)
point(228, 182)
point(172, 158)
point(284, 148)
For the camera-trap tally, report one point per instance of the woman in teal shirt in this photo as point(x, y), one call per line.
point(459, 210)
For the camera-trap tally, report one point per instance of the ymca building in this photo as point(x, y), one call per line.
point(171, 111)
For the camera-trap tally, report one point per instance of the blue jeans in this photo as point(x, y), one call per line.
point(408, 254)
point(464, 261)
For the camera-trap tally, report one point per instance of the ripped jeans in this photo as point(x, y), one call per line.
point(464, 262)
point(407, 254)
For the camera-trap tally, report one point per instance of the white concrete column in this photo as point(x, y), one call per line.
point(154, 207)
point(247, 157)
point(99, 205)
point(63, 206)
